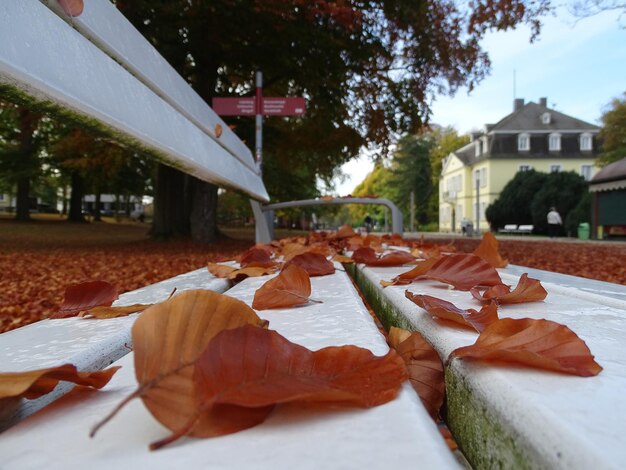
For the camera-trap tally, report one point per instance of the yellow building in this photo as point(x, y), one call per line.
point(531, 137)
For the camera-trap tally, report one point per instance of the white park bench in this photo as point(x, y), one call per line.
point(99, 70)
point(507, 417)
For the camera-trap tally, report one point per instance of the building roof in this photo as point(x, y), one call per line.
point(467, 153)
point(528, 117)
point(612, 172)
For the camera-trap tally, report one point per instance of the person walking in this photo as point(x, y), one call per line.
point(554, 222)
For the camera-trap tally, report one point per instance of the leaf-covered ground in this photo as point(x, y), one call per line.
point(38, 259)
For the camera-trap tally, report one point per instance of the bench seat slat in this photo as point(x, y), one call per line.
point(79, 76)
point(387, 436)
point(507, 416)
point(88, 344)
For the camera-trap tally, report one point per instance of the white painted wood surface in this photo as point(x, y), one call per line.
point(103, 24)
point(88, 344)
point(44, 56)
point(557, 420)
point(395, 435)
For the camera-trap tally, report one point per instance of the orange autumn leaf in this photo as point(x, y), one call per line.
point(85, 296)
point(343, 259)
point(527, 290)
point(35, 383)
point(167, 340)
point(345, 231)
point(257, 257)
point(314, 264)
point(245, 372)
point(220, 270)
point(541, 344)
point(72, 7)
point(463, 271)
point(369, 257)
point(102, 313)
point(290, 288)
point(424, 366)
point(489, 251)
point(406, 278)
point(470, 318)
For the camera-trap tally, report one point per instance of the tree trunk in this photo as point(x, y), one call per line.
point(97, 216)
point(171, 214)
point(28, 124)
point(76, 199)
point(64, 209)
point(204, 212)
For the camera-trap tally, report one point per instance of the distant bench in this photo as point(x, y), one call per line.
point(513, 228)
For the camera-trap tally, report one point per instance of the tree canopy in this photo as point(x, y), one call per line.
point(613, 132)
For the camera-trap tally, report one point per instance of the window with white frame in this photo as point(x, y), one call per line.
point(546, 118)
point(523, 142)
point(555, 168)
point(586, 142)
point(554, 142)
point(525, 167)
point(585, 172)
point(485, 144)
point(458, 183)
point(483, 177)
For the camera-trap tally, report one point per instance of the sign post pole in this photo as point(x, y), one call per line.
point(258, 136)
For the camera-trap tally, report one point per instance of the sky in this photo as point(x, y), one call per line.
point(579, 66)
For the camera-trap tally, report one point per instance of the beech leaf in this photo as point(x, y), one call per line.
point(406, 278)
point(221, 271)
point(470, 318)
point(424, 366)
point(72, 7)
point(314, 264)
point(489, 251)
point(368, 256)
point(542, 344)
point(463, 271)
point(244, 372)
point(167, 340)
point(257, 257)
point(290, 288)
point(345, 231)
point(102, 313)
point(85, 296)
point(35, 383)
point(527, 290)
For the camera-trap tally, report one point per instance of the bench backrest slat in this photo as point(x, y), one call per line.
point(44, 58)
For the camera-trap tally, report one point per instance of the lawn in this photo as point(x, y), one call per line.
point(38, 259)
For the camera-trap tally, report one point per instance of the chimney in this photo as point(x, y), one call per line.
point(543, 102)
point(518, 104)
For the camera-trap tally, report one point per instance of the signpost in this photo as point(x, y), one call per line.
point(259, 106)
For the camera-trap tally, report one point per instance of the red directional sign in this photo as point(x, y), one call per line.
point(271, 106)
point(234, 106)
point(283, 106)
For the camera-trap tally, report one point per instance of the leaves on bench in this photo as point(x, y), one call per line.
point(167, 341)
point(490, 252)
point(72, 7)
point(36, 383)
point(408, 277)
point(314, 264)
point(257, 257)
point(274, 371)
point(369, 257)
point(290, 288)
point(85, 296)
point(463, 271)
point(470, 318)
point(527, 290)
point(102, 313)
point(424, 366)
point(541, 344)
point(237, 275)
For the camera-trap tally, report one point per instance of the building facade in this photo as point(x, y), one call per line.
point(533, 136)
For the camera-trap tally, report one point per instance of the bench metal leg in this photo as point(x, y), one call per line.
point(264, 223)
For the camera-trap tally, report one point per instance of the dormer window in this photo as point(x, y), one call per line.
point(485, 144)
point(523, 143)
point(586, 142)
point(554, 142)
point(546, 118)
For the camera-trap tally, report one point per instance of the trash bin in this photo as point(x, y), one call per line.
point(583, 231)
